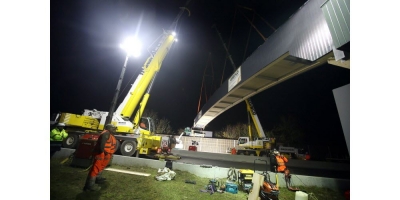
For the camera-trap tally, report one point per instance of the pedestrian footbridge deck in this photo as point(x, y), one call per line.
point(318, 33)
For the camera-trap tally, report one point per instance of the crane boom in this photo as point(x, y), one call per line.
point(150, 68)
point(140, 90)
point(254, 117)
point(131, 138)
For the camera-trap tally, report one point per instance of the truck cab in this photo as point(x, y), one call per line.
point(292, 152)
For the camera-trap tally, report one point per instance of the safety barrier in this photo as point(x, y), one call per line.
point(250, 159)
point(217, 172)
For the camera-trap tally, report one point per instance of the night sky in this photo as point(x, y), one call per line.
point(86, 62)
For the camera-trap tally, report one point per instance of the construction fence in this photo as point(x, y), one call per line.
point(211, 145)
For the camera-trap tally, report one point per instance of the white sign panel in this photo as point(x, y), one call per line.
point(234, 79)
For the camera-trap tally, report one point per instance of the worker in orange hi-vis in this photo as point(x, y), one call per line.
point(233, 151)
point(307, 157)
point(281, 160)
point(103, 150)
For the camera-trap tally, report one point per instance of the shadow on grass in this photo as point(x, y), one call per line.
point(93, 195)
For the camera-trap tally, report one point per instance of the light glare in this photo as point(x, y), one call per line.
point(132, 46)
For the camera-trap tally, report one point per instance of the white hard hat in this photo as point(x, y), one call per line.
point(276, 152)
point(60, 124)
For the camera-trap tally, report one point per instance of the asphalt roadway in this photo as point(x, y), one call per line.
point(296, 167)
point(262, 166)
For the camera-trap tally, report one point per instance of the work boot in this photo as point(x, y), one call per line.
point(100, 179)
point(90, 185)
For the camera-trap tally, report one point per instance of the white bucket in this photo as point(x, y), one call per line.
point(301, 195)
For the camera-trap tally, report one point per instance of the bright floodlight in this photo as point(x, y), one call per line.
point(173, 33)
point(132, 46)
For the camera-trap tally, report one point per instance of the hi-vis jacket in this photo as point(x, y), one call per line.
point(57, 135)
point(281, 160)
point(106, 143)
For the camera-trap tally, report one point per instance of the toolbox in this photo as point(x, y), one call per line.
point(231, 188)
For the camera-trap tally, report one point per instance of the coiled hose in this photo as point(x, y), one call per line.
point(232, 175)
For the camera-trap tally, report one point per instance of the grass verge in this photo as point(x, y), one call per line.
point(66, 183)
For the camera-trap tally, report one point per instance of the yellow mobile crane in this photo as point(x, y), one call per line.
point(260, 146)
point(131, 138)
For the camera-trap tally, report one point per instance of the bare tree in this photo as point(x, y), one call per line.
point(288, 131)
point(234, 131)
point(163, 126)
point(151, 113)
point(180, 130)
point(269, 134)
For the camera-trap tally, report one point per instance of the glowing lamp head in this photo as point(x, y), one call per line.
point(132, 46)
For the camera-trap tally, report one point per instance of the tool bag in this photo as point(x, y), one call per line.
point(269, 190)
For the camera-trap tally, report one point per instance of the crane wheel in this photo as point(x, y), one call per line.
point(71, 141)
point(128, 148)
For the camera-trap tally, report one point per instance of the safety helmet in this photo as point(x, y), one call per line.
point(61, 124)
point(275, 152)
point(110, 127)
